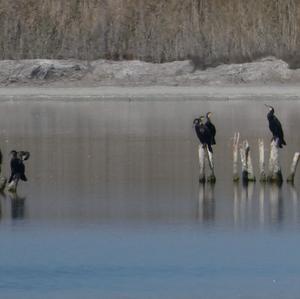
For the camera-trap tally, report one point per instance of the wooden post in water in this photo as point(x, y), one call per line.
point(211, 178)
point(3, 179)
point(275, 174)
point(293, 167)
point(236, 140)
point(201, 152)
point(247, 167)
point(12, 186)
point(261, 149)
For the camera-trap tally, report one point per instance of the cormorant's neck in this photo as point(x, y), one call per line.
point(270, 114)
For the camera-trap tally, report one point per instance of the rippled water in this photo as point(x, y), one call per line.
point(113, 208)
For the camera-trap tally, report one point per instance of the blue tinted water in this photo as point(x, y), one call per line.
point(160, 261)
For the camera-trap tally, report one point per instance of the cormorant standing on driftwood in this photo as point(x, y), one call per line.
point(275, 127)
point(203, 132)
point(211, 127)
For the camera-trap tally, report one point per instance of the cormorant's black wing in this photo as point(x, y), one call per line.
point(279, 131)
point(212, 130)
point(198, 133)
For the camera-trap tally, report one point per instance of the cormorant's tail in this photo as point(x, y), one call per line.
point(213, 141)
point(281, 142)
point(210, 148)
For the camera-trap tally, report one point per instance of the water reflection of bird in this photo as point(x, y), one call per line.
point(203, 132)
point(275, 127)
point(211, 127)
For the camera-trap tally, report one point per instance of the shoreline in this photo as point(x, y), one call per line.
point(152, 93)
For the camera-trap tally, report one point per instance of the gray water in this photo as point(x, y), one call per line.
point(113, 208)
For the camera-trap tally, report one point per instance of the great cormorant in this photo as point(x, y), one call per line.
point(17, 166)
point(203, 132)
point(211, 127)
point(275, 127)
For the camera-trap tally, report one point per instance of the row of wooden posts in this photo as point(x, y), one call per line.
point(274, 170)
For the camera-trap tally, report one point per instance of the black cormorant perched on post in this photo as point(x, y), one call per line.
point(203, 132)
point(17, 166)
point(275, 127)
point(211, 127)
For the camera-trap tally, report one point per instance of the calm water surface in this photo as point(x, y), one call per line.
point(113, 208)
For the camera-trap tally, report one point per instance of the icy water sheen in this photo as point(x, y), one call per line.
point(113, 208)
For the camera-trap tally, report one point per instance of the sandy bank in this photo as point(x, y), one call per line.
point(137, 80)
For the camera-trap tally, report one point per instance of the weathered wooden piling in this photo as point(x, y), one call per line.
point(201, 152)
point(204, 154)
point(294, 164)
point(275, 174)
point(261, 150)
point(3, 179)
point(236, 139)
point(247, 167)
point(210, 158)
point(12, 186)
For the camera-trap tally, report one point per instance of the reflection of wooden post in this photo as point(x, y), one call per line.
point(236, 139)
point(261, 148)
point(293, 167)
point(201, 152)
point(236, 203)
point(201, 201)
point(275, 174)
point(247, 167)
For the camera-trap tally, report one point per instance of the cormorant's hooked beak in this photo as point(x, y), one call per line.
point(270, 107)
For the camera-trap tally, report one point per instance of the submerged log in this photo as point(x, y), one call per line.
point(261, 149)
point(247, 167)
point(236, 139)
point(293, 167)
point(275, 174)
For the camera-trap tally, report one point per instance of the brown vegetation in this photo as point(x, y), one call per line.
point(208, 31)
